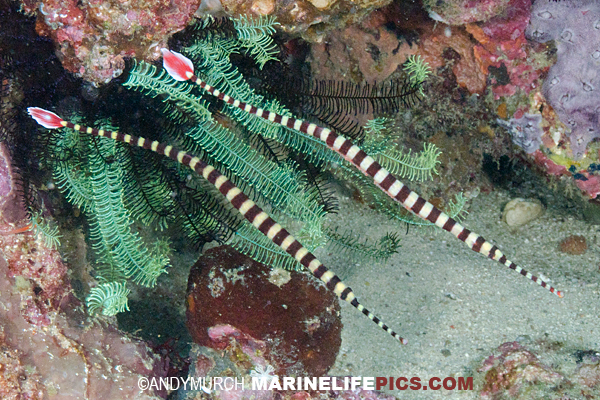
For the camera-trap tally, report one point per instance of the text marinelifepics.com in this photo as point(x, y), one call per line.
point(323, 383)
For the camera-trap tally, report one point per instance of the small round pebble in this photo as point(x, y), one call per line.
point(574, 245)
point(519, 211)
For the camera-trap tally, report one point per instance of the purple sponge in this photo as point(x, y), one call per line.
point(573, 84)
point(526, 132)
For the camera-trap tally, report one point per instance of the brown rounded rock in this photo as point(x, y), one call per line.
point(294, 323)
point(575, 245)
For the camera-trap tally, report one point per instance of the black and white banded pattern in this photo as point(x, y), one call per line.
point(382, 178)
point(252, 212)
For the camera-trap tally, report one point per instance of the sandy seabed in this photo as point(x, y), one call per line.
point(454, 305)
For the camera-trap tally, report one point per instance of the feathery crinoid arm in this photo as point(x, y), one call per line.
point(248, 208)
point(280, 185)
point(182, 69)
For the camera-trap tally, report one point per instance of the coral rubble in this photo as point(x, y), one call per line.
point(513, 370)
point(540, 370)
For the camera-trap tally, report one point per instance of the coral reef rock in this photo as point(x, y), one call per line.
point(502, 52)
point(525, 132)
point(44, 334)
point(540, 370)
point(460, 12)
point(11, 206)
point(48, 349)
point(310, 18)
point(210, 364)
point(513, 371)
point(93, 37)
point(291, 317)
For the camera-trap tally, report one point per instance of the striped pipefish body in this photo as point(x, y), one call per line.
point(248, 208)
point(182, 69)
